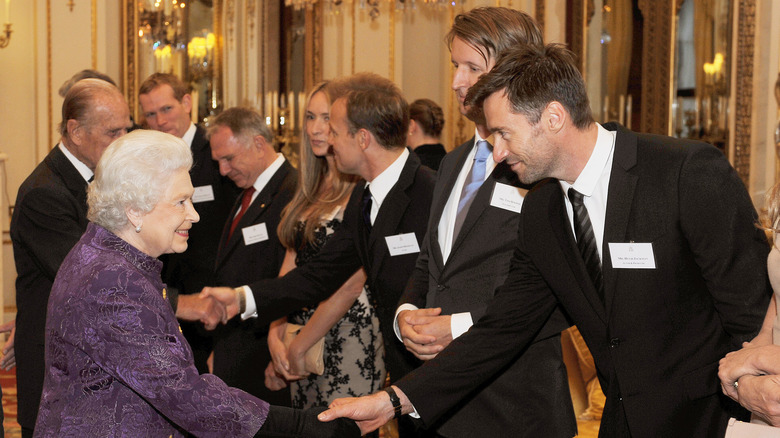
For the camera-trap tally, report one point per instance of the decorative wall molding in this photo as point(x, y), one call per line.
point(93, 20)
point(49, 103)
point(539, 12)
point(746, 35)
point(657, 49)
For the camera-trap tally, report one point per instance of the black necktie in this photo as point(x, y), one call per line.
point(586, 241)
point(366, 208)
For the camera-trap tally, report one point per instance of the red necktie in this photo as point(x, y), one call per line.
point(245, 201)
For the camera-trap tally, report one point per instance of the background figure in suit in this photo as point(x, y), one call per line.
point(166, 104)
point(426, 120)
point(353, 349)
point(457, 272)
point(662, 268)
point(49, 218)
point(249, 249)
point(384, 221)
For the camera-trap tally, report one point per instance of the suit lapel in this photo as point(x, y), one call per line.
point(619, 202)
point(501, 174)
point(390, 214)
point(559, 221)
point(71, 177)
point(441, 201)
point(253, 213)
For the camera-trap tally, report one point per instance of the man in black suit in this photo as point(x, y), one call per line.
point(457, 272)
point(653, 253)
point(166, 104)
point(384, 221)
point(249, 250)
point(50, 216)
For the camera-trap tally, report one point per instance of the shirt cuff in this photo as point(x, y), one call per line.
point(459, 324)
point(251, 305)
point(401, 308)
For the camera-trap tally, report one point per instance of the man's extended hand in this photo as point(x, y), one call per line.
point(225, 295)
point(425, 332)
point(9, 355)
point(369, 412)
point(201, 308)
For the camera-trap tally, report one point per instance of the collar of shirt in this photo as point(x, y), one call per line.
point(593, 183)
point(596, 166)
point(189, 135)
point(385, 181)
point(82, 168)
point(267, 174)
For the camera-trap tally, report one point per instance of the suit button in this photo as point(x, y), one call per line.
point(614, 342)
point(440, 287)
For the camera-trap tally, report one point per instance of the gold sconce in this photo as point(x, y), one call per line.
point(5, 37)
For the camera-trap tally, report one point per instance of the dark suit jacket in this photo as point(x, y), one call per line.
point(404, 210)
point(431, 154)
point(658, 340)
point(530, 396)
point(240, 348)
point(49, 218)
point(193, 269)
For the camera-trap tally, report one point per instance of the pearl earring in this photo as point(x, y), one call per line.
point(138, 229)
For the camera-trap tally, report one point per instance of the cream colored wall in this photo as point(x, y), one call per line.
point(763, 163)
point(49, 43)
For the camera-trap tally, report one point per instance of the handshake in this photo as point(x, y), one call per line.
point(213, 305)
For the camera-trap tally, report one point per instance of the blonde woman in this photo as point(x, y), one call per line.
point(353, 356)
point(751, 375)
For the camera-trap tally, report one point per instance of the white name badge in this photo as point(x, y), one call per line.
point(255, 233)
point(401, 244)
point(203, 194)
point(632, 255)
point(508, 197)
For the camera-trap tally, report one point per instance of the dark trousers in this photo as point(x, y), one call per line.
point(296, 423)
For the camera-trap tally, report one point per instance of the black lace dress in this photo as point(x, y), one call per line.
point(354, 353)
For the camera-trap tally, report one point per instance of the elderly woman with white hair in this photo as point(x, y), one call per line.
point(117, 363)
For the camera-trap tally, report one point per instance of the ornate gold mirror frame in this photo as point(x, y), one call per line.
point(658, 36)
point(208, 74)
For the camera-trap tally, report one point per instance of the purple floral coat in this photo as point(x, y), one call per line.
point(117, 363)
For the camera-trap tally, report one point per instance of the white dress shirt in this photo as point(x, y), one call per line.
point(593, 183)
point(189, 135)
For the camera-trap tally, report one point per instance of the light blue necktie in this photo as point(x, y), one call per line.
point(473, 182)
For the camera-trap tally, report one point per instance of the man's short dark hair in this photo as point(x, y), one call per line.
point(532, 77)
point(376, 105)
point(155, 80)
